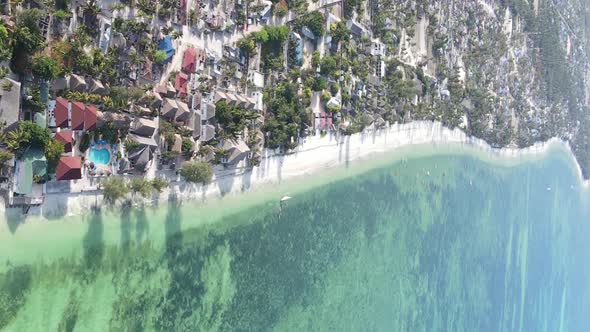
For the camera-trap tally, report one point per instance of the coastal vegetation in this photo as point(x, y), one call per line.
point(116, 188)
point(140, 186)
point(113, 189)
point(197, 172)
point(159, 184)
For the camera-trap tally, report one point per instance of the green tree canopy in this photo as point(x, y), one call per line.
point(114, 188)
point(286, 116)
point(140, 186)
point(53, 151)
point(5, 44)
point(197, 172)
point(187, 145)
point(27, 134)
point(339, 32)
point(233, 119)
point(5, 156)
point(45, 67)
point(315, 21)
point(159, 57)
point(159, 184)
point(329, 66)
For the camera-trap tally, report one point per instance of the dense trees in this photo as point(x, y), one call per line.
point(233, 119)
point(25, 135)
point(286, 116)
point(27, 39)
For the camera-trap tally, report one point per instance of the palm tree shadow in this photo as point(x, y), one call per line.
point(172, 226)
point(125, 230)
point(14, 218)
point(93, 245)
point(141, 225)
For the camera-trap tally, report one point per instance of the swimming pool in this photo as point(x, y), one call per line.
point(99, 156)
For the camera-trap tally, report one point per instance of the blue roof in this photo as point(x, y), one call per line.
point(166, 45)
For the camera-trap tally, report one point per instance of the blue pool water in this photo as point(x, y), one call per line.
point(99, 156)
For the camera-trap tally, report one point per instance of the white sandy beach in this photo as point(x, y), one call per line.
point(313, 155)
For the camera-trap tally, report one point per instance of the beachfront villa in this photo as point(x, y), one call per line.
point(69, 168)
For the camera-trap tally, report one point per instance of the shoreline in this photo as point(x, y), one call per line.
point(314, 155)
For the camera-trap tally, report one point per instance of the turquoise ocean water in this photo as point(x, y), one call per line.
point(444, 243)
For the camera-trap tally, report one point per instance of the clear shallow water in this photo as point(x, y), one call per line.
point(431, 244)
point(99, 156)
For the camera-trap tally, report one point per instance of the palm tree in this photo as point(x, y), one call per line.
point(116, 8)
point(15, 139)
point(92, 8)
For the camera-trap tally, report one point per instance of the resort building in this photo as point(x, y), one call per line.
point(189, 60)
point(69, 168)
point(143, 127)
point(61, 113)
point(166, 46)
point(77, 83)
point(77, 115)
point(141, 159)
point(90, 117)
point(236, 151)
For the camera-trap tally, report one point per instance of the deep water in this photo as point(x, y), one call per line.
point(431, 244)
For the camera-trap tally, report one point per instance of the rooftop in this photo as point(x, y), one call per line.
point(69, 168)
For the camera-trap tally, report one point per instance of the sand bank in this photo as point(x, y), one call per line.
point(321, 153)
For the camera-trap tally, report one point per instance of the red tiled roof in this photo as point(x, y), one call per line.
point(60, 113)
point(181, 83)
point(90, 117)
point(189, 59)
point(77, 115)
point(69, 168)
point(66, 138)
